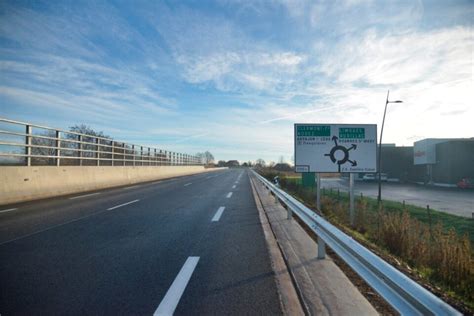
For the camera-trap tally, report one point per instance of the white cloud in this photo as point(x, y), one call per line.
point(234, 71)
point(378, 59)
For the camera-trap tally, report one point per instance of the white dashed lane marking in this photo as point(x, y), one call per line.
point(8, 210)
point(114, 207)
point(218, 214)
point(172, 297)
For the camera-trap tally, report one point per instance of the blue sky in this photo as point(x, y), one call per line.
point(233, 76)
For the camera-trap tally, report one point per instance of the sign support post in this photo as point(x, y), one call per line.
point(318, 191)
point(351, 198)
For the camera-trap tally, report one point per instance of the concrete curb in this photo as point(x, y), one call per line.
point(289, 299)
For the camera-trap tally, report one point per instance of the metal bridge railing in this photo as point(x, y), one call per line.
point(402, 293)
point(30, 144)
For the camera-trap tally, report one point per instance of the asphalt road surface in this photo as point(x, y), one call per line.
point(450, 200)
point(191, 245)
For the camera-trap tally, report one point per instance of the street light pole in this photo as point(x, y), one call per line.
point(379, 165)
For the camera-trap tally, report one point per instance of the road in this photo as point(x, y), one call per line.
point(449, 200)
point(192, 245)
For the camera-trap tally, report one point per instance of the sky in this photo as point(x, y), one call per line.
point(233, 76)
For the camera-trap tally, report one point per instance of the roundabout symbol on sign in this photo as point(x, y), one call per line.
point(340, 154)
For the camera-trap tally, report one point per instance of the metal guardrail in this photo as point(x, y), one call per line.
point(403, 294)
point(52, 146)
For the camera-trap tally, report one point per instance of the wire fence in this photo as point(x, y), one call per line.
point(25, 144)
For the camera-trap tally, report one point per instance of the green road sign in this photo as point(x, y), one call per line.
point(351, 132)
point(308, 179)
point(319, 130)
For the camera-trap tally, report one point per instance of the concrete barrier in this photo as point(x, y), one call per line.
point(19, 184)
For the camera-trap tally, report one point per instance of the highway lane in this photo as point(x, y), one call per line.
point(126, 260)
point(232, 260)
point(35, 216)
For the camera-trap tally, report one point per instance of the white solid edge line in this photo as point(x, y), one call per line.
point(229, 194)
point(8, 210)
point(218, 214)
point(83, 196)
point(188, 184)
point(172, 297)
point(117, 206)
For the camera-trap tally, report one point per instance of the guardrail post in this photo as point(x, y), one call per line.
point(290, 213)
point(28, 145)
point(58, 150)
point(79, 138)
point(321, 248)
point(318, 191)
point(97, 147)
point(351, 198)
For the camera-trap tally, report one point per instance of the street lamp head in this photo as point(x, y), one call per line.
point(398, 101)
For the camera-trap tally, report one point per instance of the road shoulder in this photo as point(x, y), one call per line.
point(289, 299)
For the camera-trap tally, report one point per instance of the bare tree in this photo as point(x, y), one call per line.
point(67, 147)
point(200, 157)
point(43, 140)
point(208, 157)
point(87, 146)
point(260, 162)
point(85, 129)
point(205, 157)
